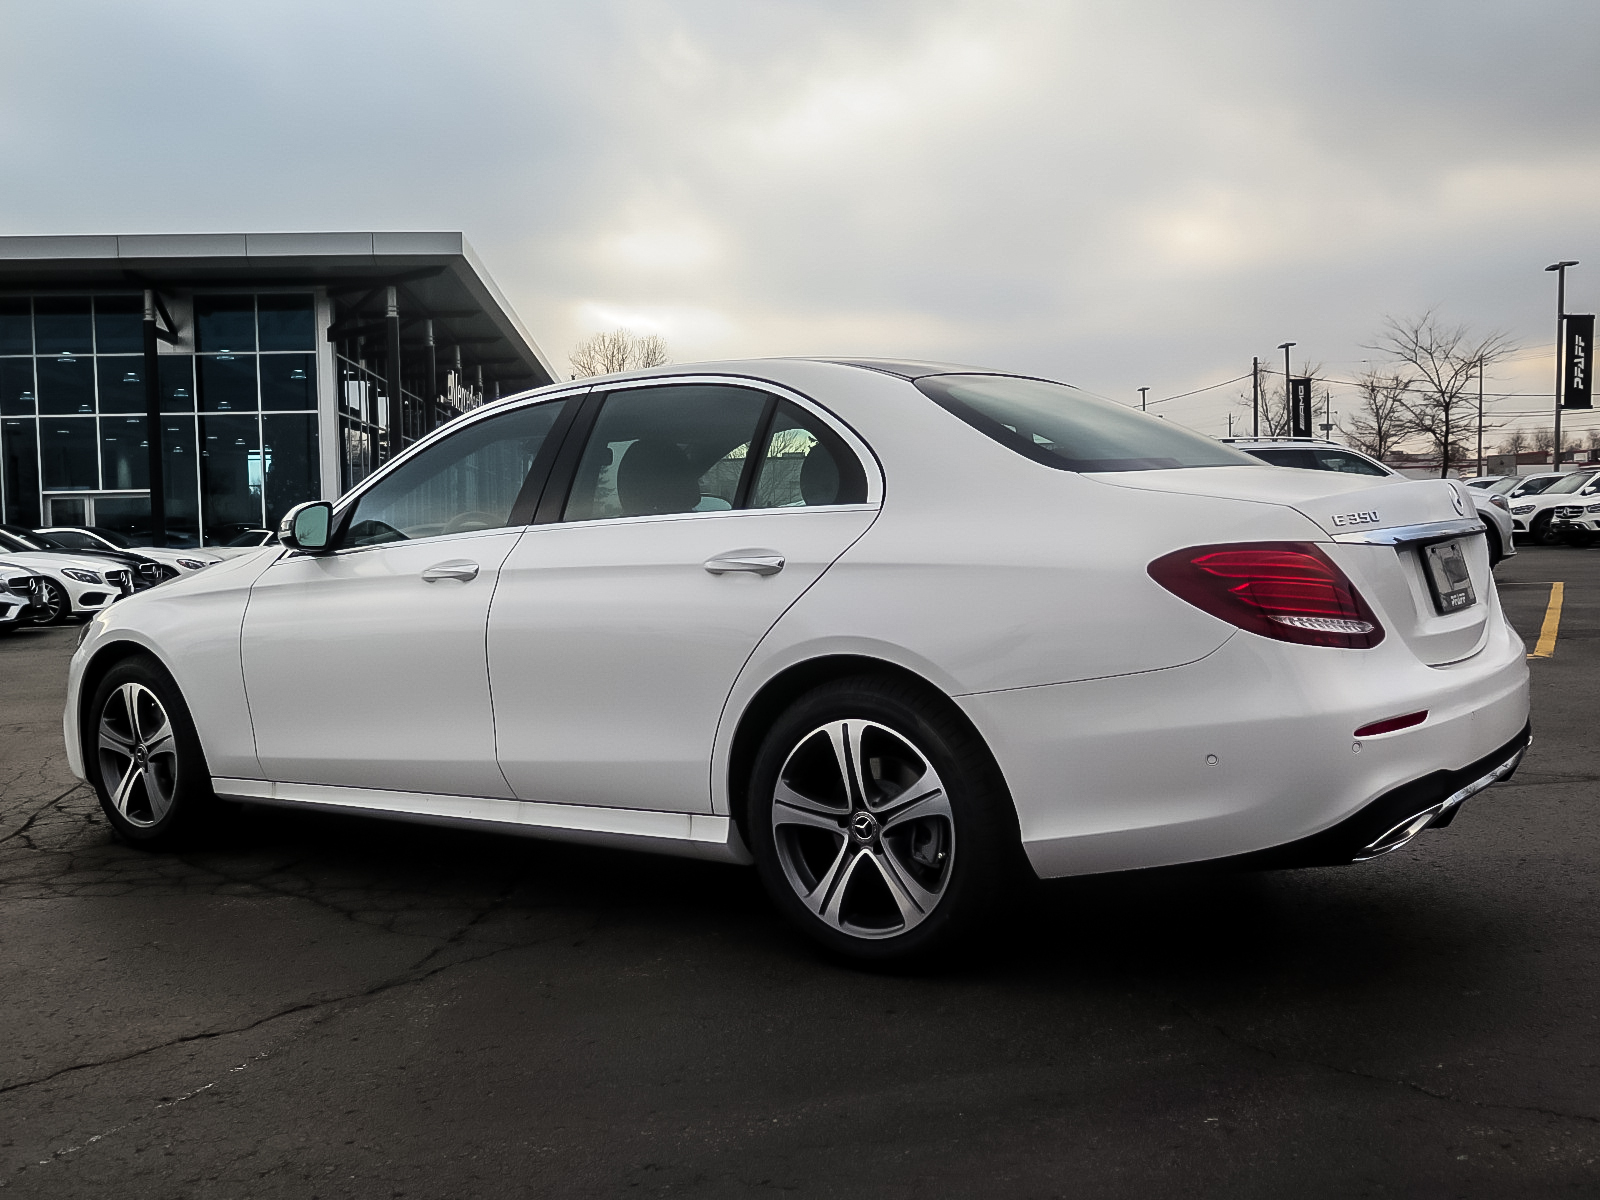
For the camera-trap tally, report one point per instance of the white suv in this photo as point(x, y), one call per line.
point(1317, 454)
point(1534, 515)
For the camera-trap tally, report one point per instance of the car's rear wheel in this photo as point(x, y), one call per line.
point(879, 822)
point(52, 605)
point(144, 757)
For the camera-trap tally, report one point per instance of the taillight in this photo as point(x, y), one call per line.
point(1290, 591)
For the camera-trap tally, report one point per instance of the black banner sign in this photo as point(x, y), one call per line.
point(1575, 387)
point(1299, 407)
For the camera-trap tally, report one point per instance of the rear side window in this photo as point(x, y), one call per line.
point(1064, 428)
point(1343, 460)
point(1285, 457)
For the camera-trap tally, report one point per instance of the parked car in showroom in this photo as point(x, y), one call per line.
point(902, 634)
point(1533, 513)
point(1317, 454)
point(98, 540)
point(19, 588)
point(75, 583)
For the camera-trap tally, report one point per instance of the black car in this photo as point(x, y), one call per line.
point(146, 572)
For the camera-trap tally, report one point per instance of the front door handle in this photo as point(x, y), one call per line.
point(456, 568)
point(756, 562)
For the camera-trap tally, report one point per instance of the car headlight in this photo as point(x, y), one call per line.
point(1523, 510)
point(191, 564)
point(1593, 508)
point(1499, 502)
point(80, 575)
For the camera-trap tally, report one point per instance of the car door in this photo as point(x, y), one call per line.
point(366, 667)
point(682, 522)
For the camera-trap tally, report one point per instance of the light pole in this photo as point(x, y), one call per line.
point(1560, 269)
point(1142, 391)
point(1288, 401)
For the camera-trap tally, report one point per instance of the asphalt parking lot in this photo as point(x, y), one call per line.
point(327, 1006)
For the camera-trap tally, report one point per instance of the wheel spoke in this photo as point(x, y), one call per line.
point(927, 804)
point(845, 736)
point(789, 798)
point(830, 882)
point(788, 814)
point(833, 913)
point(113, 739)
point(162, 741)
point(914, 900)
point(120, 797)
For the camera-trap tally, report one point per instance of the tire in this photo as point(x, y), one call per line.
point(899, 861)
point(54, 606)
point(1539, 530)
point(144, 758)
point(1496, 550)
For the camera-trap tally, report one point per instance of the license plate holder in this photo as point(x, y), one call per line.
point(1445, 565)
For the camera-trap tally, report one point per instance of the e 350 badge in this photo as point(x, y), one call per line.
point(1356, 518)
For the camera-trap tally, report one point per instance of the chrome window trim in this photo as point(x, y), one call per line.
point(1411, 535)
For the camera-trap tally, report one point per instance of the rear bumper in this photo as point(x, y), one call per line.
point(1247, 752)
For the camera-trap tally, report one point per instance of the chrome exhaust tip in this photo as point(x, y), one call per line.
point(1439, 814)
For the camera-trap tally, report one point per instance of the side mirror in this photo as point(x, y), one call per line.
point(307, 527)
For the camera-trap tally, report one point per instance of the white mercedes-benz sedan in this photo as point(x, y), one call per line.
point(903, 634)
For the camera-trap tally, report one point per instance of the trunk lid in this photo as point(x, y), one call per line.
point(1379, 530)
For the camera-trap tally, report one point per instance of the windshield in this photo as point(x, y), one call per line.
point(1570, 483)
point(19, 541)
point(1064, 428)
point(120, 541)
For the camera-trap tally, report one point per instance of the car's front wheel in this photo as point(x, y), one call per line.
point(879, 822)
point(1539, 530)
point(144, 757)
point(52, 605)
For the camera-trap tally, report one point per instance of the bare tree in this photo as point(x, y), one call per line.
point(619, 350)
point(1383, 420)
point(1446, 360)
point(1544, 440)
point(1514, 442)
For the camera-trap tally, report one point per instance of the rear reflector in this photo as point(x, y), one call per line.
point(1290, 591)
point(1392, 724)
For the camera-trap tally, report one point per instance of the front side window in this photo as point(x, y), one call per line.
point(661, 450)
point(1069, 430)
point(467, 482)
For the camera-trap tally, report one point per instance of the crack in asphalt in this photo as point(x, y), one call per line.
point(407, 978)
point(1229, 1036)
point(22, 829)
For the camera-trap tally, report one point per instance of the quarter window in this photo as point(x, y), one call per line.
point(655, 451)
point(467, 482)
point(805, 465)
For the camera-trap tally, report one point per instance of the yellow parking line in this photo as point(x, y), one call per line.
point(1546, 645)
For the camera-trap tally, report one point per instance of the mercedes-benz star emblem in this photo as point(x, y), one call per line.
point(864, 826)
point(1455, 496)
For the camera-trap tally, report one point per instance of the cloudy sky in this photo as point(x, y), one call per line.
point(1119, 194)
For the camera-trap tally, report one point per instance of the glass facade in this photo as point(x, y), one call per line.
point(239, 424)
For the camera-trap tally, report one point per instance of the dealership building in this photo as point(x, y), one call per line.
point(275, 368)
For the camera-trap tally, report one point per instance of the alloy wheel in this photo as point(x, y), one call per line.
point(863, 829)
point(138, 754)
point(52, 604)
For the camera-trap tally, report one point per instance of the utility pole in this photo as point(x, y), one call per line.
point(1560, 269)
point(1230, 424)
point(1288, 400)
point(1255, 396)
point(1142, 391)
point(1481, 471)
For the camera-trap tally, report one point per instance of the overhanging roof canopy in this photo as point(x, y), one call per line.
point(438, 272)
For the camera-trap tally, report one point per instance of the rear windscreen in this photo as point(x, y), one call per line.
point(1064, 428)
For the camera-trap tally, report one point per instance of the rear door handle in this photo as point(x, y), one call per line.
point(755, 562)
point(456, 568)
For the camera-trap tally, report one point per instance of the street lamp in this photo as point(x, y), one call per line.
point(1142, 391)
point(1288, 401)
point(1560, 269)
